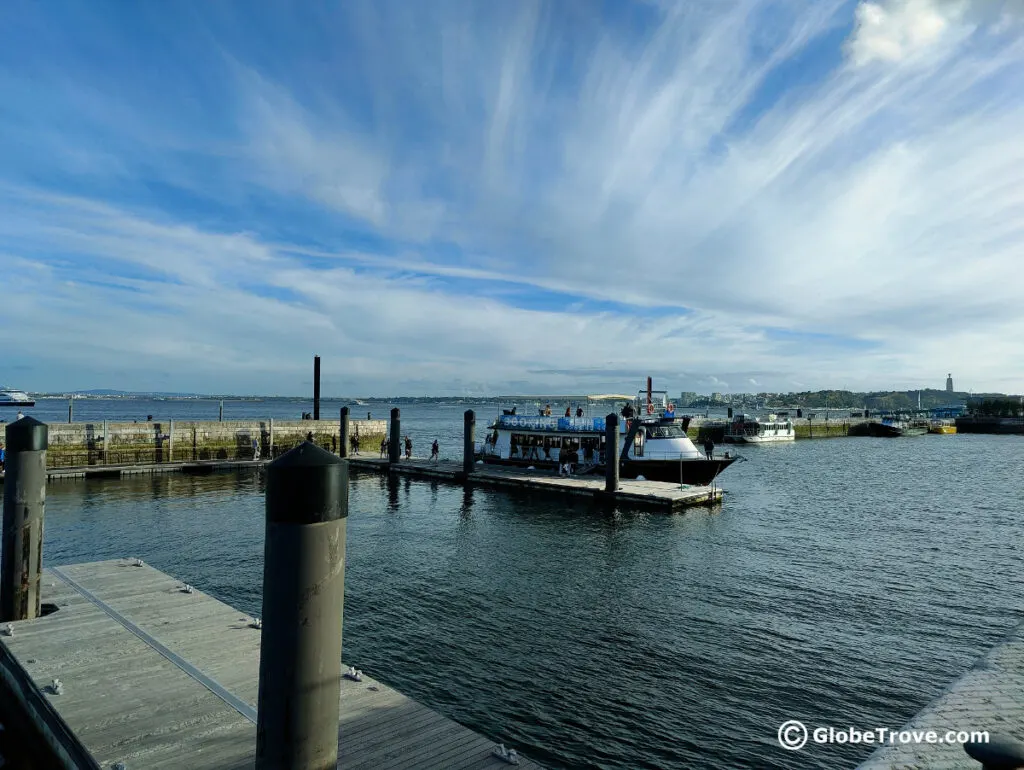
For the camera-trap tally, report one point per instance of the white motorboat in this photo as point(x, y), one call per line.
point(759, 430)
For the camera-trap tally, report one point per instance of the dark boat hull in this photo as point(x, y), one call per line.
point(17, 404)
point(692, 472)
point(891, 431)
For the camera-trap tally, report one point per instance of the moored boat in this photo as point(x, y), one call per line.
point(893, 427)
point(652, 439)
point(943, 427)
point(755, 430)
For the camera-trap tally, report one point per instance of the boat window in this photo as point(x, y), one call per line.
point(665, 431)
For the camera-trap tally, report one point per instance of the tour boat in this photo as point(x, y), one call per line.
point(652, 440)
point(946, 427)
point(9, 397)
point(753, 430)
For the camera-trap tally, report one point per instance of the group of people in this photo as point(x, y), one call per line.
point(435, 449)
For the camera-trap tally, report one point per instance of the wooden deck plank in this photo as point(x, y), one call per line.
point(128, 702)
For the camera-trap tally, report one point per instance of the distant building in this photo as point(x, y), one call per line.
point(949, 383)
point(686, 398)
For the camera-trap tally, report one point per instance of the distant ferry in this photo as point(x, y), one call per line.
point(754, 430)
point(17, 398)
point(654, 444)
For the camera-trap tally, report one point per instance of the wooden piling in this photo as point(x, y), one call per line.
point(316, 387)
point(343, 438)
point(21, 567)
point(468, 442)
point(395, 438)
point(220, 413)
point(71, 410)
point(303, 603)
point(611, 453)
point(170, 441)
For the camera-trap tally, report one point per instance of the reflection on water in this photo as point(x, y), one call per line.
point(842, 582)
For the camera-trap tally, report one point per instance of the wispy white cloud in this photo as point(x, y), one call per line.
point(721, 192)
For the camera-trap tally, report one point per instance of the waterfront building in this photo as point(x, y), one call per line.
point(686, 398)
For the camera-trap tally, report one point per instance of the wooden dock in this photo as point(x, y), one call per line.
point(154, 677)
point(661, 495)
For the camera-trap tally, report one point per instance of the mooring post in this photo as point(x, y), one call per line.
point(71, 410)
point(316, 387)
point(220, 414)
point(611, 453)
point(343, 435)
point(270, 448)
point(106, 441)
point(395, 439)
point(24, 502)
point(469, 442)
point(303, 604)
point(170, 441)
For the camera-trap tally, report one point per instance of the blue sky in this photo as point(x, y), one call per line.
point(456, 196)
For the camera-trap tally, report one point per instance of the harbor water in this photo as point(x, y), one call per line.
point(843, 582)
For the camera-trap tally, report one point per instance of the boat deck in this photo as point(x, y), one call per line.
point(158, 678)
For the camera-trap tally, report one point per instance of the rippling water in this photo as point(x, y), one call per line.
point(843, 582)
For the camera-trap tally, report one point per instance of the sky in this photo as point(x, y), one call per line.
point(473, 198)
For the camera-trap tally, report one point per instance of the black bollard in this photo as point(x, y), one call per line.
point(24, 503)
point(71, 410)
point(303, 605)
point(343, 435)
point(395, 447)
point(999, 752)
point(611, 453)
point(469, 441)
point(220, 414)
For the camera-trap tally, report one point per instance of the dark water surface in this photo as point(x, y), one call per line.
point(843, 582)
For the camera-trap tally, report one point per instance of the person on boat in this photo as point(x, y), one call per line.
point(547, 410)
point(547, 448)
point(383, 446)
point(588, 452)
point(579, 411)
point(563, 461)
point(513, 445)
point(408, 448)
point(709, 447)
point(627, 410)
point(513, 409)
point(670, 410)
point(568, 411)
point(435, 451)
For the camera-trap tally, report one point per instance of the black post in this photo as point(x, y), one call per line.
point(395, 445)
point(24, 504)
point(730, 412)
point(71, 410)
point(316, 387)
point(468, 442)
point(611, 453)
point(220, 413)
point(343, 435)
point(303, 605)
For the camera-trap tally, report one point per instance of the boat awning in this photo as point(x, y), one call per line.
point(609, 397)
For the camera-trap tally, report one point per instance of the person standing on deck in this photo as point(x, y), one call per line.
point(383, 446)
point(408, 448)
point(255, 448)
point(627, 410)
point(435, 451)
point(547, 411)
point(579, 411)
point(709, 447)
point(568, 411)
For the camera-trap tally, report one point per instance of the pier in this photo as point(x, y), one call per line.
point(989, 697)
point(114, 664)
point(153, 676)
point(660, 495)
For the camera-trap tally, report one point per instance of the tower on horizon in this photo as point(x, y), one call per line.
point(949, 383)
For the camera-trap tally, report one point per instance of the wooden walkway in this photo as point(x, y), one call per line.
point(143, 469)
point(988, 697)
point(155, 678)
point(661, 495)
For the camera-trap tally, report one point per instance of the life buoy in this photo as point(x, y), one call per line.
point(650, 409)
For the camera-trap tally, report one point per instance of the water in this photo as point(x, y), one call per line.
point(843, 582)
